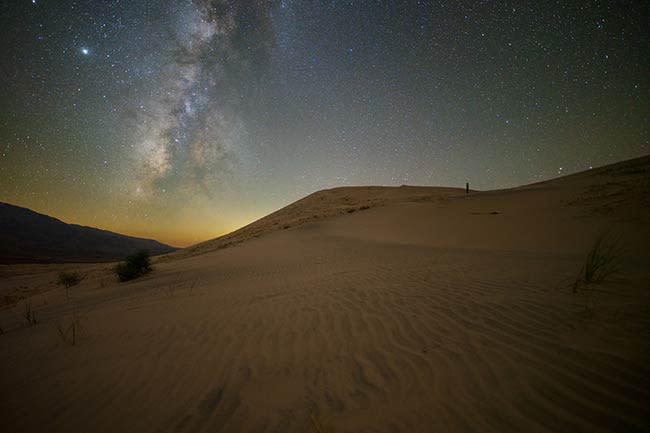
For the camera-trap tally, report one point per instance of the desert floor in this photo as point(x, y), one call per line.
point(354, 310)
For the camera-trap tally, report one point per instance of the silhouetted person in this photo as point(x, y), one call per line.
point(467, 188)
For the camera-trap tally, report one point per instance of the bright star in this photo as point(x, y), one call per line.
point(85, 51)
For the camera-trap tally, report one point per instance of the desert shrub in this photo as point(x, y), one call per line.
point(69, 279)
point(133, 266)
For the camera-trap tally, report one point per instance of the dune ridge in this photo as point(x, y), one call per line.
point(321, 205)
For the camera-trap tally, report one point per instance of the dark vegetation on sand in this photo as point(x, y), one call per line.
point(133, 266)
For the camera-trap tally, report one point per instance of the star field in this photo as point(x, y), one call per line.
point(182, 120)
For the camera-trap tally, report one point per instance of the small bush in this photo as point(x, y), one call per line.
point(133, 266)
point(69, 279)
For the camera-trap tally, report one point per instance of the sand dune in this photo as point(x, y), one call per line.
point(319, 206)
point(618, 191)
point(423, 310)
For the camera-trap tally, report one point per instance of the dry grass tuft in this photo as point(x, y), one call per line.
point(603, 261)
point(69, 333)
point(29, 314)
point(316, 424)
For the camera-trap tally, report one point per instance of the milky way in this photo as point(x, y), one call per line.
point(193, 126)
point(182, 120)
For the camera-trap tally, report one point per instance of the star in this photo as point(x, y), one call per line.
point(85, 51)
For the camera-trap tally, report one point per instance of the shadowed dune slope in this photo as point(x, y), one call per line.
point(429, 311)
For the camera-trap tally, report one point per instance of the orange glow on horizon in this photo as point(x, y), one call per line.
point(179, 229)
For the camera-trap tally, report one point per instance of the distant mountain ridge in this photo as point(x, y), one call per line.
point(30, 237)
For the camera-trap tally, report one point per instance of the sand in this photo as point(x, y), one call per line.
point(376, 310)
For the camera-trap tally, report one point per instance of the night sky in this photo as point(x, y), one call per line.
point(183, 120)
